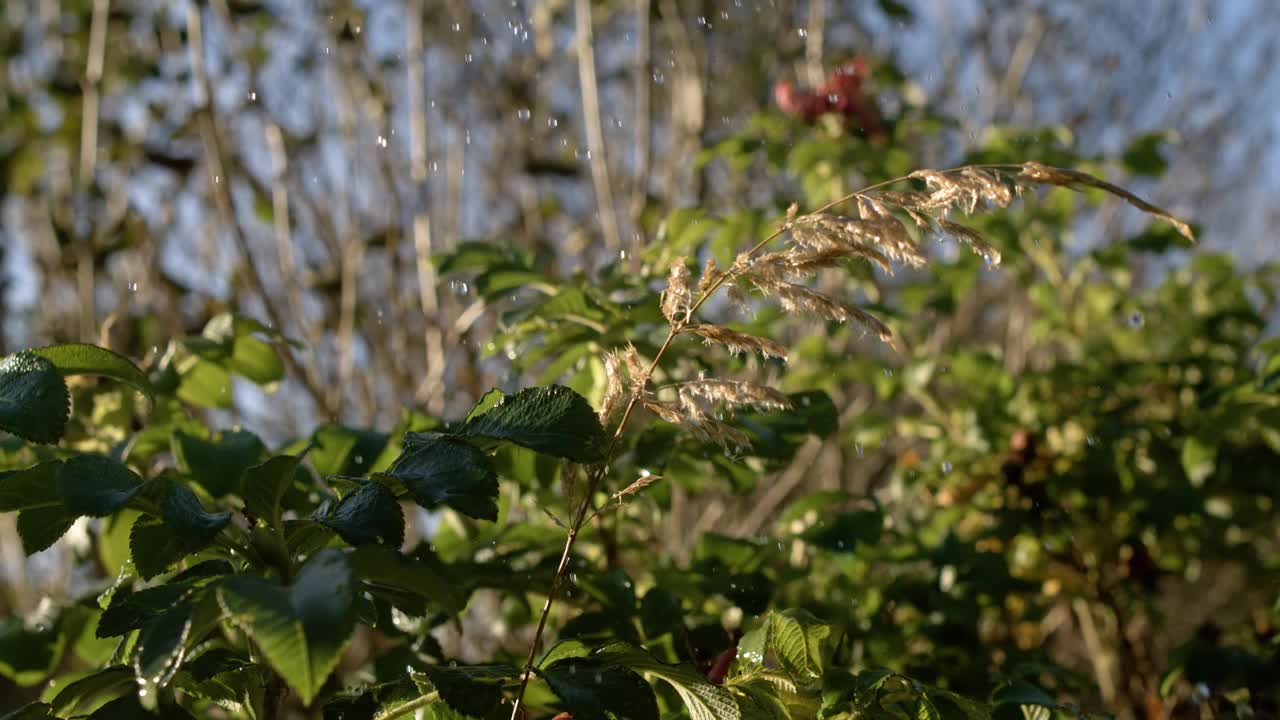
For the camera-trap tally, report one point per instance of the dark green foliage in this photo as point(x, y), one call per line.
point(553, 420)
point(1028, 496)
point(34, 402)
point(440, 470)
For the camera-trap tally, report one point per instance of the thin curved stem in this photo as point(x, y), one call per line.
point(413, 705)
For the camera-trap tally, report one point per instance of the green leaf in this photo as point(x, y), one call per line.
point(36, 486)
point(85, 359)
point(703, 700)
point(502, 279)
point(896, 10)
point(440, 470)
point(129, 707)
point(553, 420)
point(113, 541)
point(614, 590)
point(1143, 157)
point(1199, 459)
point(131, 611)
point(218, 465)
point(595, 690)
point(475, 255)
point(205, 384)
point(97, 486)
point(1156, 239)
point(564, 649)
point(111, 681)
point(660, 613)
point(54, 494)
point(846, 531)
point(34, 400)
point(193, 526)
point(339, 450)
point(368, 514)
point(474, 690)
point(234, 345)
point(303, 629)
point(41, 527)
point(383, 566)
point(801, 644)
point(263, 487)
point(184, 528)
point(759, 699)
point(1023, 693)
point(153, 547)
point(161, 646)
point(29, 654)
point(31, 711)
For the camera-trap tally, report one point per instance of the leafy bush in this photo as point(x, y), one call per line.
point(257, 583)
point(1016, 505)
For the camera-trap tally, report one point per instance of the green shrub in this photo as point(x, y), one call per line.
point(241, 581)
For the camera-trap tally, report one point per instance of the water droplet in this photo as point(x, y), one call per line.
point(253, 96)
point(552, 122)
point(802, 32)
point(1136, 320)
point(857, 448)
point(946, 467)
point(523, 113)
point(132, 287)
point(457, 27)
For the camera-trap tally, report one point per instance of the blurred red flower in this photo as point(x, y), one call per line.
point(842, 94)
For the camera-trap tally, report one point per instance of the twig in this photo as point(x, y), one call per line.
point(89, 166)
point(352, 259)
point(813, 40)
point(413, 705)
point(216, 159)
point(281, 228)
point(643, 129)
point(595, 129)
point(430, 389)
